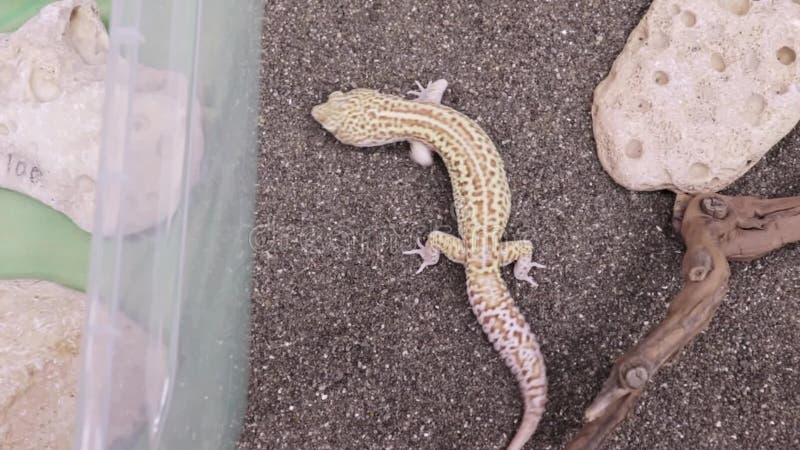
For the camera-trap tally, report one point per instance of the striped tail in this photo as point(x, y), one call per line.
point(511, 336)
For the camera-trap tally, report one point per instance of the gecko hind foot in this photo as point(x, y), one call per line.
point(523, 266)
point(430, 256)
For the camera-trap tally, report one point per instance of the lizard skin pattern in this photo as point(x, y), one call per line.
point(365, 118)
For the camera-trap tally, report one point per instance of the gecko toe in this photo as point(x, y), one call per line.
point(522, 267)
point(417, 92)
point(529, 279)
point(430, 256)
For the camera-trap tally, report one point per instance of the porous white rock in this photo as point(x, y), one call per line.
point(41, 326)
point(701, 91)
point(52, 90)
point(39, 322)
point(40, 336)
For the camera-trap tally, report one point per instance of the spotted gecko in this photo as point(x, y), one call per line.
point(365, 118)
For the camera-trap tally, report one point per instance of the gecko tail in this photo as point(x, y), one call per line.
point(511, 336)
point(530, 421)
point(534, 394)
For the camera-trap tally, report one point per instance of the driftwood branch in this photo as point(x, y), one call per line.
point(715, 229)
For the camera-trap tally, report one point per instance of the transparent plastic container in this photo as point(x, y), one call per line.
point(165, 350)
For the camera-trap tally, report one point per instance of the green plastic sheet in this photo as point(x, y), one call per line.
point(38, 242)
point(13, 13)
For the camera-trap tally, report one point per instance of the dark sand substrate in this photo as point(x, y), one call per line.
point(351, 350)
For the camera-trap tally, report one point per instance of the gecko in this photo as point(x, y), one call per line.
point(367, 118)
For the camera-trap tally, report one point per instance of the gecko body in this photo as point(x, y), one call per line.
point(365, 117)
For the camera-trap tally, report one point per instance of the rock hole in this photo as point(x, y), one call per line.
point(738, 7)
point(688, 18)
point(84, 184)
point(717, 62)
point(698, 171)
point(643, 105)
point(782, 90)
point(786, 55)
point(661, 78)
point(85, 34)
point(754, 107)
point(634, 149)
point(44, 84)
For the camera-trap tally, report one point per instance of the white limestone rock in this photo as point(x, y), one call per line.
point(41, 327)
point(701, 91)
point(52, 94)
point(40, 322)
point(40, 336)
point(51, 98)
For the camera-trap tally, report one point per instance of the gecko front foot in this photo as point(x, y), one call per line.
point(431, 93)
point(422, 154)
point(417, 92)
point(523, 266)
point(430, 255)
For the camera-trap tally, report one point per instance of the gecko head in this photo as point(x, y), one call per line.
point(348, 115)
